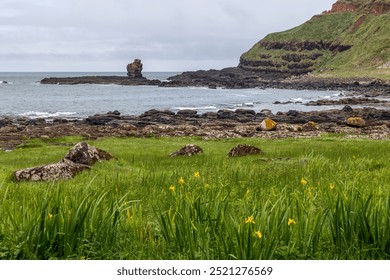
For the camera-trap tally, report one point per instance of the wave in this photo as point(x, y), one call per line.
point(5, 82)
point(46, 115)
point(204, 108)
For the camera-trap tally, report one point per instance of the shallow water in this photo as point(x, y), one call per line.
point(23, 95)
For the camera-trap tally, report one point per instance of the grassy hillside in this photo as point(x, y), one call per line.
point(356, 44)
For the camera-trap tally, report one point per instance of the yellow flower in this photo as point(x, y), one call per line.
point(258, 234)
point(291, 222)
point(172, 188)
point(181, 181)
point(197, 174)
point(303, 182)
point(50, 216)
point(250, 220)
point(331, 186)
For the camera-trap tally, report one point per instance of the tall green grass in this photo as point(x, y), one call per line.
point(325, 198)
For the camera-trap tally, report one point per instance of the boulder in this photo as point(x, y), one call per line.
point(243, 150)
point(82, 153)
point(268, 124)
point(50, 172)
point(188, 150)
point(81, 157)
point(5, 122)
point(187, 113)
point(134, 69)
point(356, 122)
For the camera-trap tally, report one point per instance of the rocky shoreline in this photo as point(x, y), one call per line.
point(375, 124)
point(370, 122)
point(236, 78)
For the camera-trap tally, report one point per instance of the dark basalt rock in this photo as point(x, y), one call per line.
point(105, 80)
point(187, 113)
point(252, 77)
point(349, 101)
point(134, 78)
point(102, 119)
point(5, 121)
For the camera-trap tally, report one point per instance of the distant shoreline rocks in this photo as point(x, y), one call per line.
point(229, 78)
point(134, 78)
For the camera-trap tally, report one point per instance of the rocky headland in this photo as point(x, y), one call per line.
point(134, 78)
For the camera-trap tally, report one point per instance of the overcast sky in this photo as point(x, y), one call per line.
point(168, 35)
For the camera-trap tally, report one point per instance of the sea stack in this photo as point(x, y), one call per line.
point(134, 69)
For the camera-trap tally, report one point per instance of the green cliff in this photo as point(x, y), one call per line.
point(350, 40)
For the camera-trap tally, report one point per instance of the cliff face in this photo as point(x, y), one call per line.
point(353, 35)
point(376, 7)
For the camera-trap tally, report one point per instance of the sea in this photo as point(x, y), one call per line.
point(22, 94)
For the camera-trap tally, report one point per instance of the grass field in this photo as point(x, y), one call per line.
point(325, 198)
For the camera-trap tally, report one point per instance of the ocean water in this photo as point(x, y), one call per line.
point(21, 94)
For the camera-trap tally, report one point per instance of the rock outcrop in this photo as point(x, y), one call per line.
point(188, 150)
point(134, 69)
point(134, 78)
point(50, 172)
point(82, 153)
point(81, 157)
point(375, 7)
point(244, 150)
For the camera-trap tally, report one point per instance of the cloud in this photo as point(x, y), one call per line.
point(86, 35)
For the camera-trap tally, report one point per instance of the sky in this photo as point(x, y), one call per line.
point(169, 35)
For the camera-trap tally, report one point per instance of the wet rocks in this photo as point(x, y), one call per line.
point(241, 77)
point(5, 122)
point(101, 80)
point(243, 150)
point(102, 119)
point(348, 101)
point(81, 157)
point(188, 150)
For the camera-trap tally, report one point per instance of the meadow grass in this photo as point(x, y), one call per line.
point(325, 198)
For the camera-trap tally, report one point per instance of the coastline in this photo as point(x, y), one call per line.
point(236, 78)
point(212, 125)
point(224, 123)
